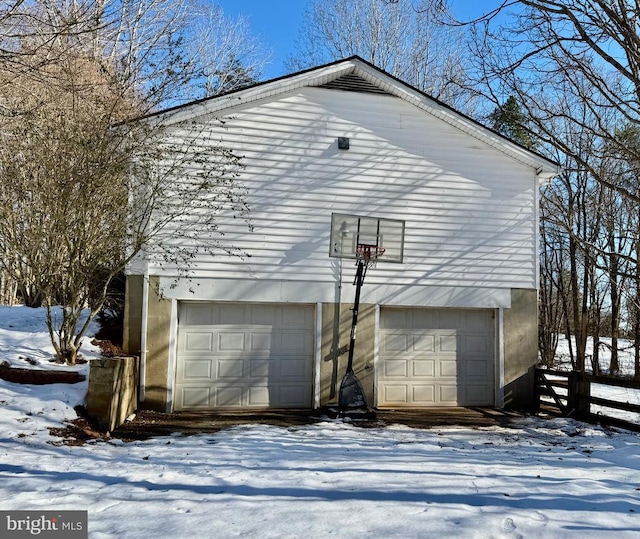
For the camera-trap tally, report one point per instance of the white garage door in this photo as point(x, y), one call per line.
point(244, 356)
point(436, 357)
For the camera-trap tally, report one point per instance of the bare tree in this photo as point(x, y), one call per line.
point(404, 38)
point(85, 188)
point(234, 57)
point(553, 306)
point(169, 51)
point(542, 50)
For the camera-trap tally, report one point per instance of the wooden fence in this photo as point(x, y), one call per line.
point(570, 394)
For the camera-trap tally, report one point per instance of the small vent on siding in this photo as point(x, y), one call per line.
point(353, 83)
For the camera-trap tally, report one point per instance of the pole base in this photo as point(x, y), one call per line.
point(352, 413)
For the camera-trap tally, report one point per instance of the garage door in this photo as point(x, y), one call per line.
point(436, 357)
point(244, 356)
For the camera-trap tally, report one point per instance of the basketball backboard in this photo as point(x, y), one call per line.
point(353, 233)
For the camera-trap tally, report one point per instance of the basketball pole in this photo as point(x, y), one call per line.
point(358, 281)
point(351, 394)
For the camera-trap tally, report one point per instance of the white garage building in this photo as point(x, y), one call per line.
point(454, 324)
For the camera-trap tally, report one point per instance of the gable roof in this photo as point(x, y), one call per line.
point(358, 75)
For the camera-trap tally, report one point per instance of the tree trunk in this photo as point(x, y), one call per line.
point(31, 296)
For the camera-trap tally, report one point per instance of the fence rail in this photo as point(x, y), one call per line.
point(568, 393)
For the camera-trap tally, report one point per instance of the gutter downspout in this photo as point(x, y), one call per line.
point(143, 334)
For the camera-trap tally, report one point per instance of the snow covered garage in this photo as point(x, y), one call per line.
point(453, 324)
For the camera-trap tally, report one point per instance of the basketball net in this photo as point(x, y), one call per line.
point(369, 254)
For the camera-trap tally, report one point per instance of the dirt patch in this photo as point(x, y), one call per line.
point(150, 424)
point(76, 432)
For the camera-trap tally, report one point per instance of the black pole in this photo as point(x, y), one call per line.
point(356, 305)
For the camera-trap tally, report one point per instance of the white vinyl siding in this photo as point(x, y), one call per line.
point(244, 356)
point(469, 210)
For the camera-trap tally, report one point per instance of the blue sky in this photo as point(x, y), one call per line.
point(277, 23)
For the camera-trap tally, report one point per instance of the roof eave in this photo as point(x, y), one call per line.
point(312, 77)
point(317, 76)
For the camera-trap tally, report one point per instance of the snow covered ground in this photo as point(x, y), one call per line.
point(540, 478)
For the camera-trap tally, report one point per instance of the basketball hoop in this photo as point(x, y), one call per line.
point(361, 238)
point(369, 254)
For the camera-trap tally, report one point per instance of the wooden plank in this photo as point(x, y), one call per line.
point(554, 372)
point(626, 406)
point(547, 387)
point(544, 390)
point(607, 420)
point(613, 381)
point(564, 384)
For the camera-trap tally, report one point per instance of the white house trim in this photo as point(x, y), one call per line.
point(173, 350)
point(318, 357)
point(499, 372)
point(376, 353)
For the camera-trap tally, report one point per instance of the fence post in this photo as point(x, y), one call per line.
point(536, 390)
point(572, 393)
point(581, 388)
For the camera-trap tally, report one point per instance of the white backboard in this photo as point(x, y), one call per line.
point(348, 232)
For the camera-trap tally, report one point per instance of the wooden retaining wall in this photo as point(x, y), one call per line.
point(113, 391)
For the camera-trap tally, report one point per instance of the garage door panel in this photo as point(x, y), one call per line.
point(198, 341)
point(476, 343)
point(294, 342)
point(261, 342)
point(448, 369)
point(424, 368)
point(294, 369)
point(449, 360)
point(260, 368)
point(395, 343)
point(226, 397)
point(199, 315)
point(197, 369)
point(478, 321)
point(229, 314)
point(448, 394)
point(478, 368)
point(449, 318)
point(297, 317)
point(291, 395)
point(396, 319)
point(396, 367)
point(231, 342)
point(422, 319)
point(423, 394)
point(197, 397)
point(246, 354)
point(447, 343)
point(232, 369)
point(259, 396)
point(424, 343)
point(263, 315)
point(477, 394)
point(396, 394)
